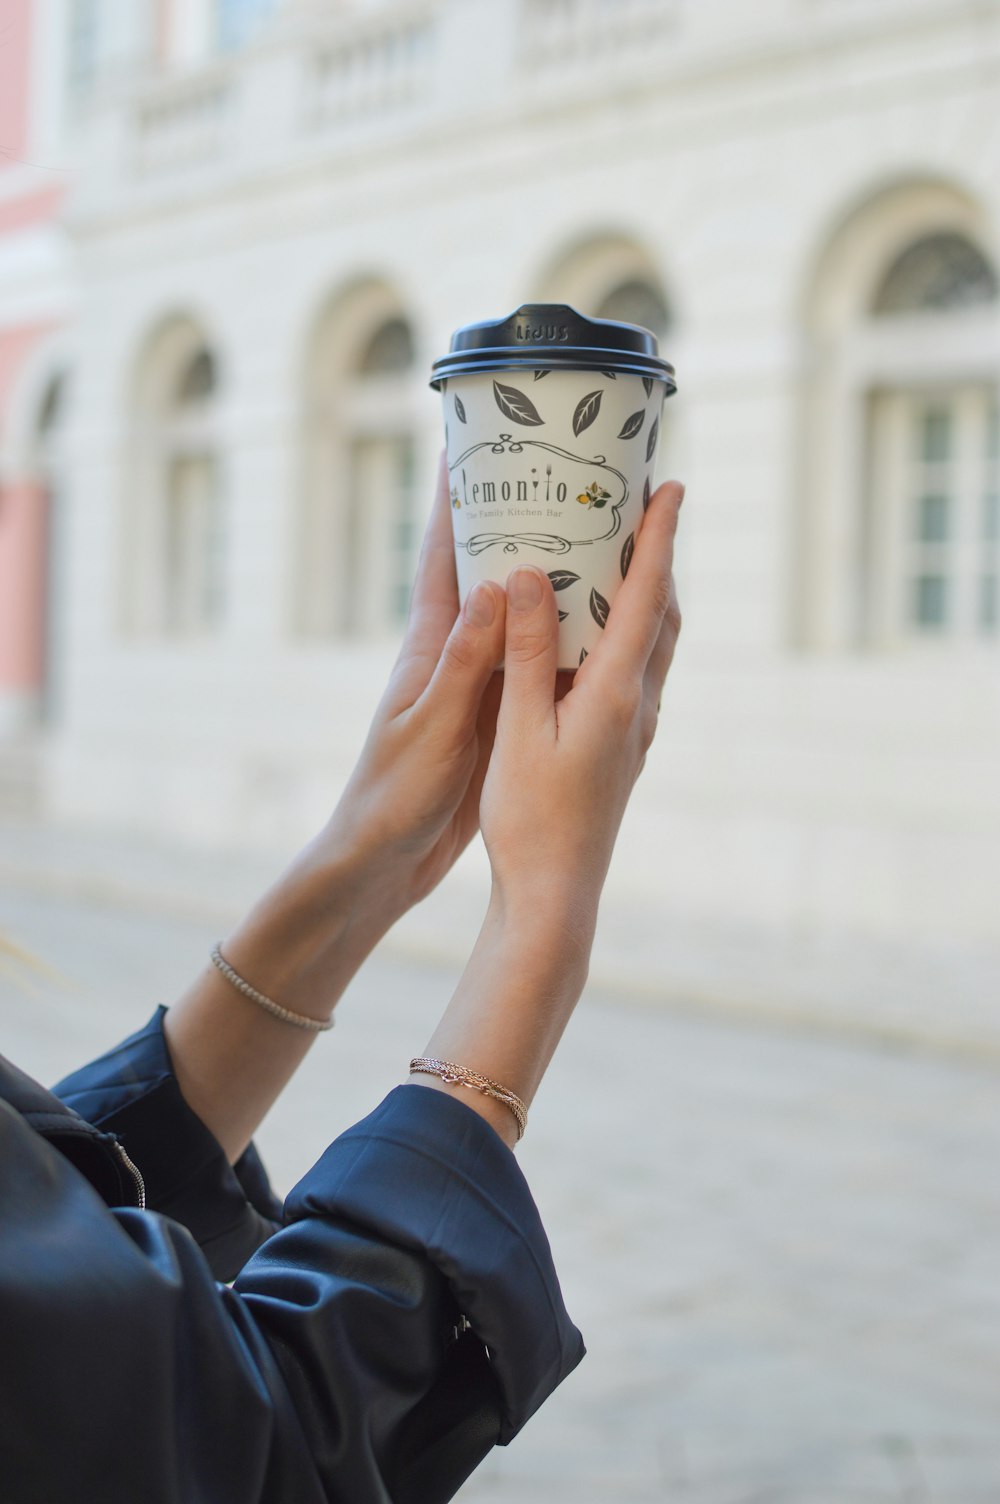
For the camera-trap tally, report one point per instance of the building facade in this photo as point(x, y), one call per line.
point(274, 215)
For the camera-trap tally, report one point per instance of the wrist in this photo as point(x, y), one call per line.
point(309, 932)
point(546, 918)
point(357, 841)
point(515, 996)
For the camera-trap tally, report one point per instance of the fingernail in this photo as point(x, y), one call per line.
point(683, 490)
point(480, 607)
point(524, 590)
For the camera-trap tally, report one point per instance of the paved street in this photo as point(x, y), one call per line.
point(783, 1248)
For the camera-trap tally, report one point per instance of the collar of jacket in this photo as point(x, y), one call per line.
point(97, 1155)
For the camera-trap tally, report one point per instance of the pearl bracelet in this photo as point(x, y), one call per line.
point(286, 1015)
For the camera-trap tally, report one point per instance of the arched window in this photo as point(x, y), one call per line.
point(936, 468)
point(900, 534)
point(636, 301)
point(194, 557)
point(361, 516)
point(176, 524)
point(939, 271)
point(389, 351)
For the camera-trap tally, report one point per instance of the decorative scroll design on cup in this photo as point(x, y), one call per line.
point(552, 543)
point(512, 543)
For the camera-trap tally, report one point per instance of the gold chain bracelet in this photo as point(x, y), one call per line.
point(460, 1075)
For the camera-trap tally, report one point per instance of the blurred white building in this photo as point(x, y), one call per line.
point(276, 215)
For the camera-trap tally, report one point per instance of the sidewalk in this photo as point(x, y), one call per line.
point(930, 998)
point(780, 1244)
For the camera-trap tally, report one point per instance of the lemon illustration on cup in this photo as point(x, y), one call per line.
point(455, 500)
point(594, 496)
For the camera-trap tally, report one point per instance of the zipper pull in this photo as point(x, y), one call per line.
point(133, 1170)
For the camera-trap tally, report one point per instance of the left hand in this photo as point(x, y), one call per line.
point(412, 803)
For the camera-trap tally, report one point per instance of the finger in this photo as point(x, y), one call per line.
point(531, 647)
point(658, 667)
point(434, 602)
point(640, 606)
point(663, 650)
point(472, 650)
point(486, 730)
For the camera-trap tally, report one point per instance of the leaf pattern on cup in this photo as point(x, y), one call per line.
point(610, 375)
point(628, 549)
point(586, 411)
point(562, 579)
point(654, 434)
point(631, 425)
point(540, 374)
point(583, 654)
point(460, 409)
point(563, 615)
point(645, 494)
point(647, 382)
point(516, 406)
point(599, 608)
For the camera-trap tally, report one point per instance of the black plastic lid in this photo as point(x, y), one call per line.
point(550, 336)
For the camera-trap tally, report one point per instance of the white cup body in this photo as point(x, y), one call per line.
point(552, 468)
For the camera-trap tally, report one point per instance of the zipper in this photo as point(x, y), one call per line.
point(140, 1184)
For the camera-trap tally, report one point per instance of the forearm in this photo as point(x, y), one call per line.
point(300, 945)
point(515, 997)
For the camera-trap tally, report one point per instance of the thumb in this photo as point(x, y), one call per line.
point(468, 659)
point(532, 644)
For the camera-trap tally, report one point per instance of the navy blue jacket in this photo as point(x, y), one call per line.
point(335, 1367)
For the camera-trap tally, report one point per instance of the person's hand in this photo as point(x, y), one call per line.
point(412, 803)
point(410, 807)
point(563, 768)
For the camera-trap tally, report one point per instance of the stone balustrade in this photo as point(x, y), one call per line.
point(323, 73)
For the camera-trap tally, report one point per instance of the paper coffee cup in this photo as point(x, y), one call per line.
point(552, 424)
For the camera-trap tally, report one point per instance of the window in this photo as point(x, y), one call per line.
point(937, 498)
point(894, 541)
point(636, 302)
point(175, 522)
point(194, 536)
point(940, 271)
point(194, 553)
point(381, 535)
point(940, 490)
point(238, 21)
point(390, 349)
point(82, 46)
point(362, 512)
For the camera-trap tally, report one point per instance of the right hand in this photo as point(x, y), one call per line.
point(562, 769)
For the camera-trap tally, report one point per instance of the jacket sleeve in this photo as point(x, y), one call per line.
point(328, 1374)
point(132, 1091)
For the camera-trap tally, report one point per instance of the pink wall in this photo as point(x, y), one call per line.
point(15, 58)
point(29, 209)
point(23, 501)
point(23, 543)
point(23, 540)
point(15, 346)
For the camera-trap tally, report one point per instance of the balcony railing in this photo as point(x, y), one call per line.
point(382, 70)
point(558, 32)
point(182, 124)
point(354, 75)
